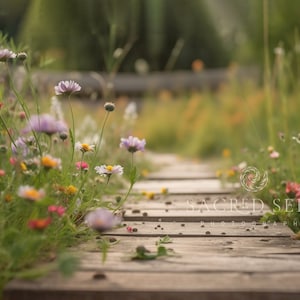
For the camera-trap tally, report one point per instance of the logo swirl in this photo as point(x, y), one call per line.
point(252, 180)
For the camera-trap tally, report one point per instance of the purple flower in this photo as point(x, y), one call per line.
point(20, 147)
point(102, 219)
point(67, 87)
point(6, 54)
point(133, 144)
point(108, 170)
point(45, 123)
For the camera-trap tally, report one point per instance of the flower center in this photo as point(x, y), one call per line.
point(109, 168)
point(32, 194)
point(85, 147)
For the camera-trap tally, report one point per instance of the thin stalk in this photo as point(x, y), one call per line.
point(267, 73)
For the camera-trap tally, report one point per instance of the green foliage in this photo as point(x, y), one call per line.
point(48, 181)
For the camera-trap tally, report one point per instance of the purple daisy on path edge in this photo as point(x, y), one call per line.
point(67, 87)
point(45, 123)
point(102, 219)
point(133, 144)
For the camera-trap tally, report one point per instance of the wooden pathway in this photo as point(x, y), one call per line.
point(218, 248)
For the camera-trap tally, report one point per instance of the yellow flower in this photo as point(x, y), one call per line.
point(150, 195)
point(164, 191)
point(50, 162)
point(230, 173)
point(226, 153)
point(23, 166)
point(71, 190)
point(219, 173)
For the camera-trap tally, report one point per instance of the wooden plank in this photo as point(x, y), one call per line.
point(197, 203)
point(189, 186)
point(184, 171)
point(202, 229)
point(254, 246)
point(158, 286)
point(192, 215)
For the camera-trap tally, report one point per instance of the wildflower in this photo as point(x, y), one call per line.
point(6, 55)
point(226, 153)
point(45, 123)
point(20, 147)
point(292, 188)
point(60, 210)
point(22, 56)
point(230, 172)
point(130, 111)
point(2, 172)
point(23, 166)
point(56, 108)
point(102, 219)
point(108, 170)
point(270, 149)
point(30, 193)
point(82, 165)
point(274, 154)
point(8, 198)
point(84, 147)
point(67, 87)
point(150, 195)
point(109, 106)
point(63, 135)
point(164, 190)
point(71, 190)
point(39, 223)
point(129, 229)
point(197, 65)
point(49, 162)
point(133, 144)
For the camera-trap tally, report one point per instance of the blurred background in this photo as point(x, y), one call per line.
point(196, 36)
point(84, 34)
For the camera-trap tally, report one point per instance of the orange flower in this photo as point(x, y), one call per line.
point(197, 65)
point(39, 223)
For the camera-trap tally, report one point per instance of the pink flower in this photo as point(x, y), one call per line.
point(6, 55)
point(2, 172)
point(60, 210)
point(292, 188)
point(274, 154)
point(133, 144)
point(82, 165)
point(67, 87)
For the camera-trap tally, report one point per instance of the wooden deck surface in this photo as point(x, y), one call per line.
point(218, 248)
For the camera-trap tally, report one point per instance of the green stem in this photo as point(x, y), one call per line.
point(73, 129)
point(267, 74)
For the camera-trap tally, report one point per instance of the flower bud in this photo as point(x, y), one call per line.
point(109, 106)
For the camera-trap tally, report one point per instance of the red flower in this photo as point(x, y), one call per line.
point(39, 223)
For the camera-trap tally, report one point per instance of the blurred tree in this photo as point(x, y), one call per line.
point(84, 35)
point(11, 13)
point(165, 33)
